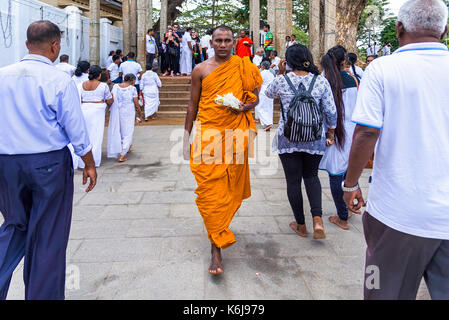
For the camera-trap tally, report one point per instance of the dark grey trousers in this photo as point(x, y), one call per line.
point(396, 263)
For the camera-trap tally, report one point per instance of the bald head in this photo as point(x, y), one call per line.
point(44, 38)
point(222, 29)
point(42, 32)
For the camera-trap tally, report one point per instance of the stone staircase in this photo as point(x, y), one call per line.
point(175, 96)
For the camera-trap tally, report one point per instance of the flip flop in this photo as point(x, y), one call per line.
point(294, 227)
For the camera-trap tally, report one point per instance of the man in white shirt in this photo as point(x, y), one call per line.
point(151, 49)
point(205, 43)
point(113, 70)
point(64, 65)
point(373, 50)
point(402, 106)
point(386, 50)
point(257, 60)
point(109, 59)
point(131, 66)
point(41, 115)
point(187, 52)
point(275, 61)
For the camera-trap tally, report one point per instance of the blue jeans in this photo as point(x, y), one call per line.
point(337, 195)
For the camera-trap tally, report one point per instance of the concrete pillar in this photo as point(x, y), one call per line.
point(141, 31)
point(149, 14)
point(330, 10)
point(105, 41)
point(281, 27)
point(94, 32)
point(133, 25)
point(271, 16)
point(314, 29)
point(254, 22)
point(163, 17)
point(125, 14)
point(74, 22)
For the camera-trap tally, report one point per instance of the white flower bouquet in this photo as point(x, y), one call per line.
point(228, 100)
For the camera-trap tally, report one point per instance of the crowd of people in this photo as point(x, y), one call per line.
point(332, 119)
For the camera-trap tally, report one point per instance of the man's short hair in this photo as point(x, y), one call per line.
point(188, 29)
point(265, 64)
point(267, 25)
point(131, 55)
point(424, 15)
point(43, 31)
point(115, 57)
point(223, 28)
point(149, 30)
point(275, 53)
point(372, 56)
point(64, 58)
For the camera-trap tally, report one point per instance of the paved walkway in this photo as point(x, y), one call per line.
point(139, 235)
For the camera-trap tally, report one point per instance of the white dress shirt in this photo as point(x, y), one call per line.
point(67, 68)
point(40, 109)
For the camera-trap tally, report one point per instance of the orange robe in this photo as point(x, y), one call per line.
point(218, 161)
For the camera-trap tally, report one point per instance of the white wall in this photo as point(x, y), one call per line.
point(75, 28)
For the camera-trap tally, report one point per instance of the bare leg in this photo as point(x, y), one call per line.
point(216, 263)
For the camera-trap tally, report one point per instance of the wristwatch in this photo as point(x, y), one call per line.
point(346, 189)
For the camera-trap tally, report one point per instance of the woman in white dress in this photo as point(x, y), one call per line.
point(150, 84)
point(95, 96)
point(264, 110)
point(81, 72)
point(335, 160)
point(121, 120)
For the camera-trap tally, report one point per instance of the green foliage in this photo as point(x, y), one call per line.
point(301, 14)
point(388, 34)
point(301, 36)
point(365, 34)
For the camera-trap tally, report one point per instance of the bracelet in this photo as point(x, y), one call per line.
point(346, 189)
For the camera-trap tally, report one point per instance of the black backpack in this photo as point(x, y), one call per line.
point(304, 118)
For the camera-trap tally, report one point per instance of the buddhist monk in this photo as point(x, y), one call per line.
point(219, 152)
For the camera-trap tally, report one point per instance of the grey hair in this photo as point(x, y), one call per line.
point(429, 15)
point(266, 65)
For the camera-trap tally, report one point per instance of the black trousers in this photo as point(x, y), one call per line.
point(36, 197)
point(298, 166)
point(150, 58)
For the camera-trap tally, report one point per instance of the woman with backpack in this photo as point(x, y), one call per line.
point(308, 96)
point(335, 161)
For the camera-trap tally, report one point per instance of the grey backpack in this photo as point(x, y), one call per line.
point(304, 119)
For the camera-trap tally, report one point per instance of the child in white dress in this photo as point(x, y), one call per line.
point(122, 116)
point(150, 84)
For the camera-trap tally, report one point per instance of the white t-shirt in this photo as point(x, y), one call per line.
point(386, 51)
point(130, 66)
point(67, 68)
point(406, 95)
point(151, 44)
point(109, 60)
point(113, 71)
point(205, 41)
point(257, 60)
point(373, 50)
point(210, 52)
point(185, 39)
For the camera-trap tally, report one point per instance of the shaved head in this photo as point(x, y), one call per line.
point(223, 29)
point(42, 32)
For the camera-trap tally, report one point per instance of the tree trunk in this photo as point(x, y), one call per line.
point(173, 13)
point(348, 16)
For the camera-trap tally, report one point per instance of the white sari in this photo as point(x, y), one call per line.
point(121, 121)
point(264, 110)
point(150, 84)
point(94, 115)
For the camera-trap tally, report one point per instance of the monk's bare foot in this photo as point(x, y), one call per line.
point(122, 159)
point(341, 223)
point(216, 263)
point(300, 229)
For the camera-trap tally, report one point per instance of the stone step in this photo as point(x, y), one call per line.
point(177, 87)
point(174, 94)
point(174, 100)
point(175, 80)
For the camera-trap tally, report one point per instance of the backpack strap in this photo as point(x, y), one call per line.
point(312, 84)
point(290, 84)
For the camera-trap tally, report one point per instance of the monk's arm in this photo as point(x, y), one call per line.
point(252, 105)
point(192, 109)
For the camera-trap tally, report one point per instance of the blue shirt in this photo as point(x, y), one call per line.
point(40, 109)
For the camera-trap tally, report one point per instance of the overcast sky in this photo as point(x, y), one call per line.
point(395, 5)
